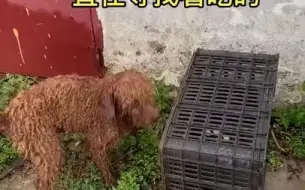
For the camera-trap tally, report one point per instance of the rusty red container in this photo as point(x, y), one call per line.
point(48, 38)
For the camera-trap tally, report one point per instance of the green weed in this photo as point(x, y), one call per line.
point(298, 145)
point(291, 125)
point(128, 181)
point(141, 160)
point(292, 118)
point(11, 85)
point(274, 160)
point(164, 95)
point(90, 179)
point(7, 153)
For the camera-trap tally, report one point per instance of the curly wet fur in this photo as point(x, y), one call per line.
point(103, 109)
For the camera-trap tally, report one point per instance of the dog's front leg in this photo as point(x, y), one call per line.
point(99, 142)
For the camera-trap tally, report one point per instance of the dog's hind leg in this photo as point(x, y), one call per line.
point(43, 149)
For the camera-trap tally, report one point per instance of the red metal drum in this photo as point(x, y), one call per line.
point(48, 38)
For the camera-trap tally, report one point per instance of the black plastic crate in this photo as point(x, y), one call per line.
point(217, 120)
point(252, 97)
point(235, 67)
point(199, 176)
point(217, 133)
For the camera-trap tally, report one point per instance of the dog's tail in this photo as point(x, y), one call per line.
point(3, 122)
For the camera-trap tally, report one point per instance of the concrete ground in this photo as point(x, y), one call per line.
point(161, 40)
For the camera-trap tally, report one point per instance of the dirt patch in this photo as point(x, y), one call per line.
point(157, 46)
point(291, 176)
point(22, 179)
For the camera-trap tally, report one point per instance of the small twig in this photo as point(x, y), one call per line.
point(285, 133)
point(278, 129)
point(276, 126)
point(276, 142)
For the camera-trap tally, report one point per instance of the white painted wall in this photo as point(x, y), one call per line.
point(134, 35)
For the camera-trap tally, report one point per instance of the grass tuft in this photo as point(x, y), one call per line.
point(289, 130)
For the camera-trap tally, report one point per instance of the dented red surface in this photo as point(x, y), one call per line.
point(47, 38)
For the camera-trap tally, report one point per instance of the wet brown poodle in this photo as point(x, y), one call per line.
point(103, 109)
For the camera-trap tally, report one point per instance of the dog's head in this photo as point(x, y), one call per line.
point(133, 98)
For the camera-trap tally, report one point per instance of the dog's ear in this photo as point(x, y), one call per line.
point(126, 99)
